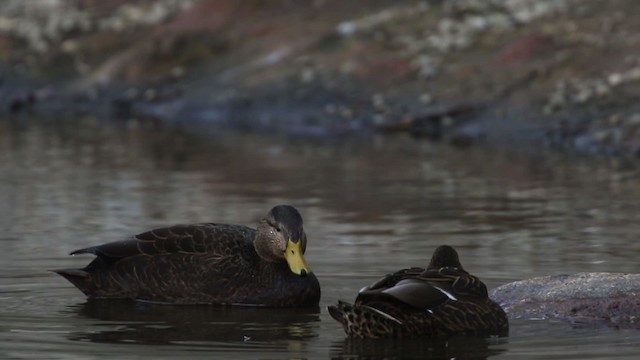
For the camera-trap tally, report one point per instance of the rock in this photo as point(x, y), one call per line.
point(591, 298)
point(29, 98)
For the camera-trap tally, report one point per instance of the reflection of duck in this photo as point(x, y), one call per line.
point(444, 299)
point(454, 347)
point(206, 264)
point(145, 323)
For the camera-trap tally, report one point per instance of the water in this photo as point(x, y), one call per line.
point(371, 205)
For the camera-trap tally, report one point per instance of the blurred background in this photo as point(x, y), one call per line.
point(555, 73)
point(509, 129)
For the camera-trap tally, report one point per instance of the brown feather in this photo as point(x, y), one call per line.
point(441, 300)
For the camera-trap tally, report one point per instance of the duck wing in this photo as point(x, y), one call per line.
point(180, 264)
point(456, 281)
point(391, 280)
point(426, 289)
point(419, 294)
point(178, 239)
point(408, 286)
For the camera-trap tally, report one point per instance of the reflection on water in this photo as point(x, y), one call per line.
point(143, 323)
point(371, 205)
point(457, 347)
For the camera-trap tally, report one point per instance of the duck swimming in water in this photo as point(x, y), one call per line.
point(207, 263)
point(442, 300)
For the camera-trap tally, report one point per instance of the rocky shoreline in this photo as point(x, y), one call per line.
point(560, 74)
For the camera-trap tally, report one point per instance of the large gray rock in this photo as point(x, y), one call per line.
point(609, 298)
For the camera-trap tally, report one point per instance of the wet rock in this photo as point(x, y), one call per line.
point(582, 298)
point(27, 99)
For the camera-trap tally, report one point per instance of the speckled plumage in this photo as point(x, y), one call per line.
point(199, 264)
point(441, 300)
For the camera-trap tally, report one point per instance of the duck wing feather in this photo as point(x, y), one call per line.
point(456, 281)
point(424, 289)
point(178, 239)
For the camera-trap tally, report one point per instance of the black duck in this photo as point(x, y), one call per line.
point(206, 263)
point(441, 300)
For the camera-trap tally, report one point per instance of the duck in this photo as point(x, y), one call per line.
point(441, 300)
point(205, 263)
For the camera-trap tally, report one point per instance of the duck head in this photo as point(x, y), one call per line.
point(280, 237)
point(445, 256)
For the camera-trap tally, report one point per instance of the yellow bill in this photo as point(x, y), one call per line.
point(296, 261)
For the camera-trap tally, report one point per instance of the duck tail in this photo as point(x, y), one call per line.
point(340, 313)
point(95, 285)
point(79, 278)
point(336, 312)
point(364, 321)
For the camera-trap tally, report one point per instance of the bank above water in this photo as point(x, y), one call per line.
point(561, 74)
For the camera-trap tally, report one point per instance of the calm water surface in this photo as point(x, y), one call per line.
point(371, 205)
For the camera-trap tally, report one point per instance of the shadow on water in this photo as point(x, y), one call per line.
point(141, 323)
point(457, 347)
